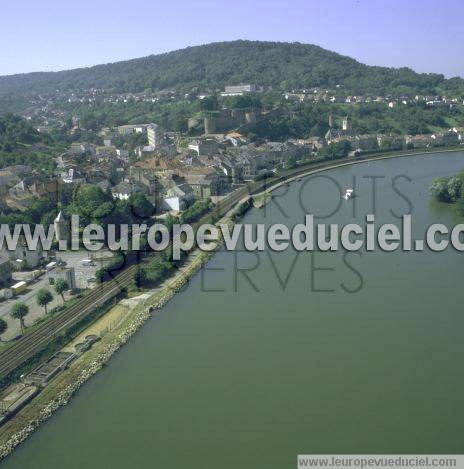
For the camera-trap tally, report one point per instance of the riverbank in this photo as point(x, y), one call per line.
point(60, 391)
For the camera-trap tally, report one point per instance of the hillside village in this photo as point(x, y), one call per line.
point(172, 169)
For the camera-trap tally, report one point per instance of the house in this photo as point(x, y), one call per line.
point(124, 154)
point(203, 185)
point(177, 197)
point(204, 182)
point(337, 135)
point(65, 273)
point(125, 129)
point(235, 138)
point(21, 195)
point(366, 142)
point(29, 258)
point(419, 141)
point(107, 150)
point(451, 138)
point(390, 142)
point(5, 272)
point(230, 166)
point(205, 147)
point(122, 191)
point(460, 132)
point(146, 151)
point(77, 148)
point(316, 142)
point(156, 166)
point(244, 166)
point(437, 140)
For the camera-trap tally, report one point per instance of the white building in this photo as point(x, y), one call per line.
point(238, 90)
point(155, 136)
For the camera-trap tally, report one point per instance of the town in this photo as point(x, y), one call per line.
point(150, 171)
point(169, 170)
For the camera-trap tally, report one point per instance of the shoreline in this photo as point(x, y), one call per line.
point(367, 159)
point(62, 388)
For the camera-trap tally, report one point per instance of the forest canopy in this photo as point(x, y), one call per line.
point(276, 64)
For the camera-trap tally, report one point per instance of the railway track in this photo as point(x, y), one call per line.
point(29, 345)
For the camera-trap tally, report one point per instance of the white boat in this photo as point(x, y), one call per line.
point(349, 194)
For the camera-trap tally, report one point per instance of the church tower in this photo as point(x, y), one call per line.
point(346, 125)
point(61, 228)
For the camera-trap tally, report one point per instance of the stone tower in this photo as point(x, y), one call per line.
point(210, 125)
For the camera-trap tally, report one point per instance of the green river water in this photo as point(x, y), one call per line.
point(364, 357)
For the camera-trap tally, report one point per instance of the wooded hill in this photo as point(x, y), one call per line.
point(280, 65)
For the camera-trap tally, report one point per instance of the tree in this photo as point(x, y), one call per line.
point(209, 104)
point(439, 189)
point(140, 206)
point(91, 203)
point(460, 206)
point(20, 311)
point(140, 277)
point(61, 285)
point(3, 326)
point(44, 297)
point(454, 188)
point(291, 162)
point(336, 150)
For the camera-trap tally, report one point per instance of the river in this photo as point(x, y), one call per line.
point(302, 353)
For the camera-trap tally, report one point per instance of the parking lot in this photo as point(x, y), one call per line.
point(83, 274)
